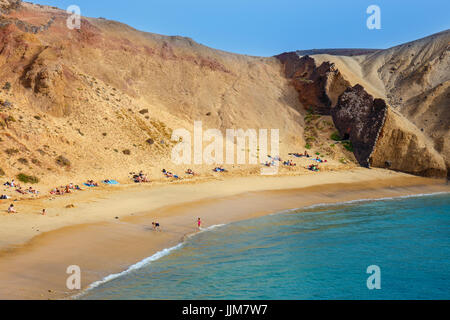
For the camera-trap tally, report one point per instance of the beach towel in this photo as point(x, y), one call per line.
point(89, 185)
point(110, 182)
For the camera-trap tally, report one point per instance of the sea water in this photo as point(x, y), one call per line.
point(321, 252)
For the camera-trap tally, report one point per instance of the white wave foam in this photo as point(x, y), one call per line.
point(211, 227)
point(201, 230)
point(135, 266)
point(167, 251)
point(325, 205)
point(143, 262)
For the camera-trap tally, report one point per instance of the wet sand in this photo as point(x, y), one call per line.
point(36, 268)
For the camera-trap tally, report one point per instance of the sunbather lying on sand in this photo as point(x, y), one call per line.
point(91, 183)
point(170, 174)
point(32, 191)
point(313, 167)
point(289, 163)
point(139, 178)
point(189, 171)
point(319, 160)
point(19, 190)
point(299, 155)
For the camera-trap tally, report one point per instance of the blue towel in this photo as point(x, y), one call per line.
point(110, 182)
point(89, 185)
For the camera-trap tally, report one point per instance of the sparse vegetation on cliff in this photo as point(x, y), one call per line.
point(25, 178)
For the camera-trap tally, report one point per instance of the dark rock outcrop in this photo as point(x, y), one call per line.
point(7, 6)
point(359, 117)
point(25, 26)
point(318, 87)
point(382, 138)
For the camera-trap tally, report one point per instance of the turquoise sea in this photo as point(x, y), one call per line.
point(320, 252)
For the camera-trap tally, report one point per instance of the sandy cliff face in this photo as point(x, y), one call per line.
point(401, 146)
point(107, 97)
point(417, 79)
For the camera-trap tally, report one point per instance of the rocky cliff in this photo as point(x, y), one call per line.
point(359, 118)
point(413, 79)
point(383, 138)
point(380, 136)
point(318, 86)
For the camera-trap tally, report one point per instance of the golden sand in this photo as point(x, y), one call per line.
point(108, 231)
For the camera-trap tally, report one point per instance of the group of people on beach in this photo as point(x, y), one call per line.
point(300, 155)
point(141, 177)
point(11, 184)
point(62, 190)
point(19, 189)
point(289, 163)
point(312, 167)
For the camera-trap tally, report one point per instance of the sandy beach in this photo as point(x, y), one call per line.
point(110, 229)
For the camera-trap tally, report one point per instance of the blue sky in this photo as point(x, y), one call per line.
point(269, 27)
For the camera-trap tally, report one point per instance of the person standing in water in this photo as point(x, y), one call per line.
point(199, 223)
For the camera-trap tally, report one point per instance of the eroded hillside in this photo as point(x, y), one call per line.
point(103, 101)
point(107, 97)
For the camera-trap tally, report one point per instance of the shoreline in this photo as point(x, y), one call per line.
point(160, 254)
point(104, 246)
